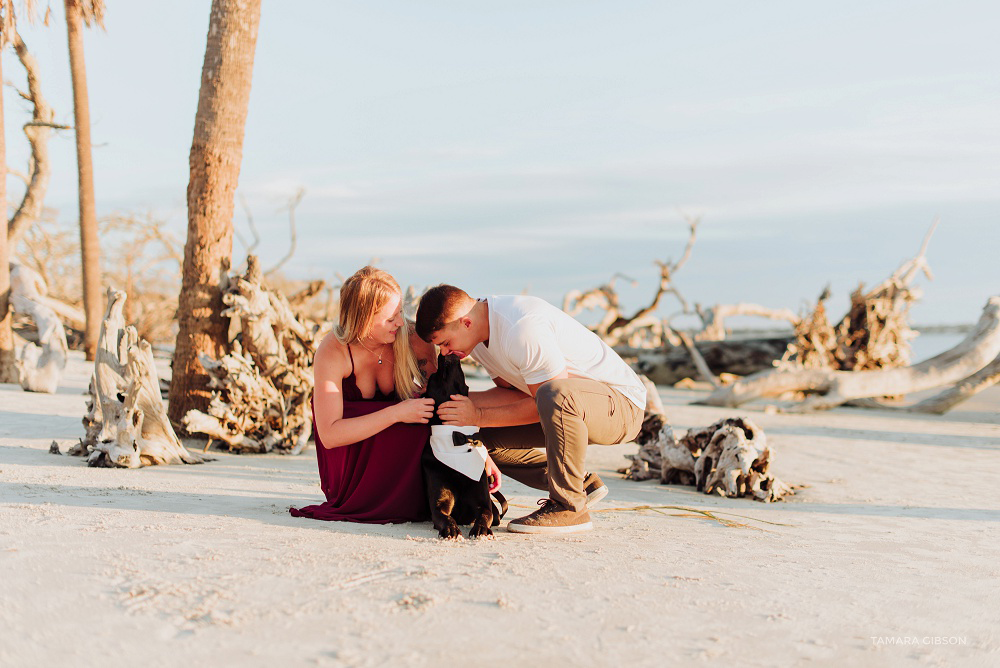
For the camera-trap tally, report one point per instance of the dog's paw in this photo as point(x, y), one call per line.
point(450, 532)
point(481, 532)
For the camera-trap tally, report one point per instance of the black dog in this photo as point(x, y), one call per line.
point(454, 497)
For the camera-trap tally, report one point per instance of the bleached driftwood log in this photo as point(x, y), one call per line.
point(646, 463)
point(653, 402)
point(736, 461)
point(126, 425)
point(263, 386)
point(40, 366)
point(666, 366)
point(942, 402)
point(833, 388)
point(659, 455)
point(730, 458)
point(714, 317)
point(698, 361)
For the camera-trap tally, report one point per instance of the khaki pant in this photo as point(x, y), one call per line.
point(572, 413)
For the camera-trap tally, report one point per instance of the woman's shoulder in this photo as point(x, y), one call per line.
point(332, 355)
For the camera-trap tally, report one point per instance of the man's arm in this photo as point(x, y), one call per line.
point(533, 350)
point(496, 407)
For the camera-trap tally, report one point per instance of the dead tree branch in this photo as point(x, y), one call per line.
point(253, 227)
point(38, 131)
point(615, 328)
point(714, 318)
point(698, 360)
point(293, 202)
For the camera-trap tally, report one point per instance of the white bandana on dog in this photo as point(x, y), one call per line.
point(467, 459)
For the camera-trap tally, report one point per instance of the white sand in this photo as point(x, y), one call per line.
point(896, 539)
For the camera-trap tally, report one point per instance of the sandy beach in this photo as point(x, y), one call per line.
point(887, 557)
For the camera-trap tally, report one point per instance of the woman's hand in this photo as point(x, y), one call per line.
point(418, 411)
point(460, 412)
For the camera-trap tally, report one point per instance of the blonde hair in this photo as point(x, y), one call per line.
point(361, 297)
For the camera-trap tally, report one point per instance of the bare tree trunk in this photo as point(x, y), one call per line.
point(8, 366)
point(90, 251)
point(216, 153)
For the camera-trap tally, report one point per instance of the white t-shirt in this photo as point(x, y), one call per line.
point(531, 341)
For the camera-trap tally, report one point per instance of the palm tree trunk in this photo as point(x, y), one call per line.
point(8, 370)
point(216, 153)
point(89, 250)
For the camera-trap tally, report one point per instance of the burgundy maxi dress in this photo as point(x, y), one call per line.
point(378, 480)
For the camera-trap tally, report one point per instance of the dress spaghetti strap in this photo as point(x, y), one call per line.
point(352, 358)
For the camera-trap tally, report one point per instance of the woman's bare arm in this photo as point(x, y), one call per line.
point(330, 366)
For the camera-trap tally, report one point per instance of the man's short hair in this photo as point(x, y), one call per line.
point(437, 309)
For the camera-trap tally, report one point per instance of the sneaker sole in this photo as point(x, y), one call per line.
point(594, 497)
point(524, 528)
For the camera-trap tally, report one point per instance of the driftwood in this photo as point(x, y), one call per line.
point(667, 355)
point(261, 389)
point(39, 366)
point(146, 260)
point(698, 360)
point(126, 424)
point(658, 453)
point(713, 318)
point(293, 203)
point(666, 366)
point(815, 339)
point(653, 402)
point(642, 326)
point(833, 388)
point(38, 131)
point(875, 332)
point(730, 458)
point(942, 402)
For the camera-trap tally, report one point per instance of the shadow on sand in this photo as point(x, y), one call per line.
point(653, 493)
point(889, 436)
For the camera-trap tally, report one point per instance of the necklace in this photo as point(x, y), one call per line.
point(372, 351)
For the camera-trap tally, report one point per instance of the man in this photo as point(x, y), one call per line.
point(559, 387)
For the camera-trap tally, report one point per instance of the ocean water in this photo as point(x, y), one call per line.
point(929, 344)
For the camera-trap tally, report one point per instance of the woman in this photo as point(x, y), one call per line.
point(369, 424)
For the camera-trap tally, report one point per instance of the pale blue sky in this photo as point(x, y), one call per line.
point(547, 145)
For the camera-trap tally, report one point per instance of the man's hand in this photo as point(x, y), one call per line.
point(460, 412)
point(492, 474)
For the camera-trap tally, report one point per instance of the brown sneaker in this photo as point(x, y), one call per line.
point(594, 488)
point(552, 517)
